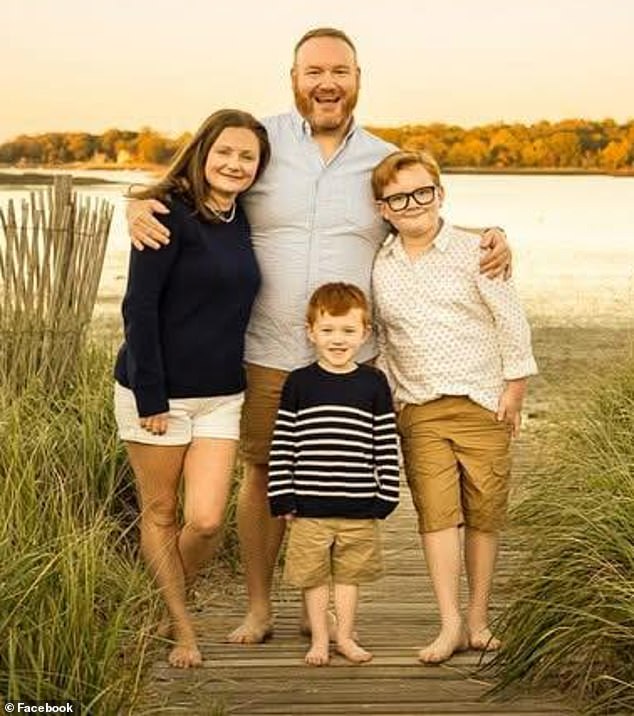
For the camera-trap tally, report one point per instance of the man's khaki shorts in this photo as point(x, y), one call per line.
point(457, 462)
point(261, 401)
point(348, 551)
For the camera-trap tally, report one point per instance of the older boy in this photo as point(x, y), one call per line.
point(334, 467)
point(456, 349)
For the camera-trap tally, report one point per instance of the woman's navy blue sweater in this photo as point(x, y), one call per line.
point(186, 310)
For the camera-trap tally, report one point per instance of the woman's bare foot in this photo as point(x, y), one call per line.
point(251, 631)
point(165, 628)
point(349, 649)
point(445, 645)
point(483, 640)
point(318, 654)
point(185, 655)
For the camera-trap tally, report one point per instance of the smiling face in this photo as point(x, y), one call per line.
point(325, 83)
point(337, 339)
point(415, 220)
point(231, 165)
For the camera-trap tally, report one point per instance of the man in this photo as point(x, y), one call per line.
point(313, 221)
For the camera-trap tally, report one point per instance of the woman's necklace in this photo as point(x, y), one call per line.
point(225, 216)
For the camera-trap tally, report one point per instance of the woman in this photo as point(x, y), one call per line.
point(179, 375)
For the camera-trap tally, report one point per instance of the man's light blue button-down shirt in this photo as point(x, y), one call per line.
point(312, 222)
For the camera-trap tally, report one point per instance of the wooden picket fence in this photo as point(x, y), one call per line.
point(52, 248)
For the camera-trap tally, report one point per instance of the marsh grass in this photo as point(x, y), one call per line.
point(76, 608)
point(570, 620)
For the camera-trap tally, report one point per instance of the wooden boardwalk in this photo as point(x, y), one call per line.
point(396, 617)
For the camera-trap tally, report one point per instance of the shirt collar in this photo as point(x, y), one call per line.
point(441, 242)
point(394, 243)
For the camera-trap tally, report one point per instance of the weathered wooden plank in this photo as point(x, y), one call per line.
point(439, 709)
point(383, 660)
point(202, 705)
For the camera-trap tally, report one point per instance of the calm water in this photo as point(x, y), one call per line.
point(573, 238)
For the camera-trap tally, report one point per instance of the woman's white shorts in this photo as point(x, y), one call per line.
point(189, 418)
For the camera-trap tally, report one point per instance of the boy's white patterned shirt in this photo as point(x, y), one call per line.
point(443, 327)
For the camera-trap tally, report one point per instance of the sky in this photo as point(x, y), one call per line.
point(84, 65)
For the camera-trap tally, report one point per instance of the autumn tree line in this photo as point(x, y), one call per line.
point(568, 144)
point(115, 146)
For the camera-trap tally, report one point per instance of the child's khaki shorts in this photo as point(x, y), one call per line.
point(348, 551)
point(457, 462)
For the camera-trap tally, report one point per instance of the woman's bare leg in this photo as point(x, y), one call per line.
point(158, 470)
point(207, 475)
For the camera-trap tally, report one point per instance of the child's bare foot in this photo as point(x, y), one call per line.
point(349, 649)
point(447, 643)
point(304, 628)
point(185, 655)
point(251, 631)
point(318, 654)
point(483, 640)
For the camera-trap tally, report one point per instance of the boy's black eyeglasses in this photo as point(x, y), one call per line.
point(422, 196)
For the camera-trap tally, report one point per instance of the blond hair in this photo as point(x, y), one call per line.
point(387, 169)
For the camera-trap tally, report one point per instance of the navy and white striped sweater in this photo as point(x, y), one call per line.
point(334, 450)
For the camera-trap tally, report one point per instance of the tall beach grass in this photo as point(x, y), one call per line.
point(570, 620)
point(76, 608)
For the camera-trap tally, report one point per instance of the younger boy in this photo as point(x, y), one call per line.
point(333, 470)
point(456, 350)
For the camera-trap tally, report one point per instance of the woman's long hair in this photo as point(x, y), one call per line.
point(185, 176)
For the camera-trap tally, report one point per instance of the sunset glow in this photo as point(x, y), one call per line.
point(71, 65)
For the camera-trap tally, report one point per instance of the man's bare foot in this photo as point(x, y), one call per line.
point(318, 654)
point(483, 640)
point(251, 631)
point(447, 643)
point(349, 649)
point(185, 655)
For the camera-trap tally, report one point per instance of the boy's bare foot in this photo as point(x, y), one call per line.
point(447, 643)
point(251, 631)
point(305, 630)
point(349, 649)
point(483, 640)
point(185, 655)
point(318, 654)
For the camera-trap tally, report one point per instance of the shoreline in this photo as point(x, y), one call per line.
point(30, 178)
point(43, 174)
